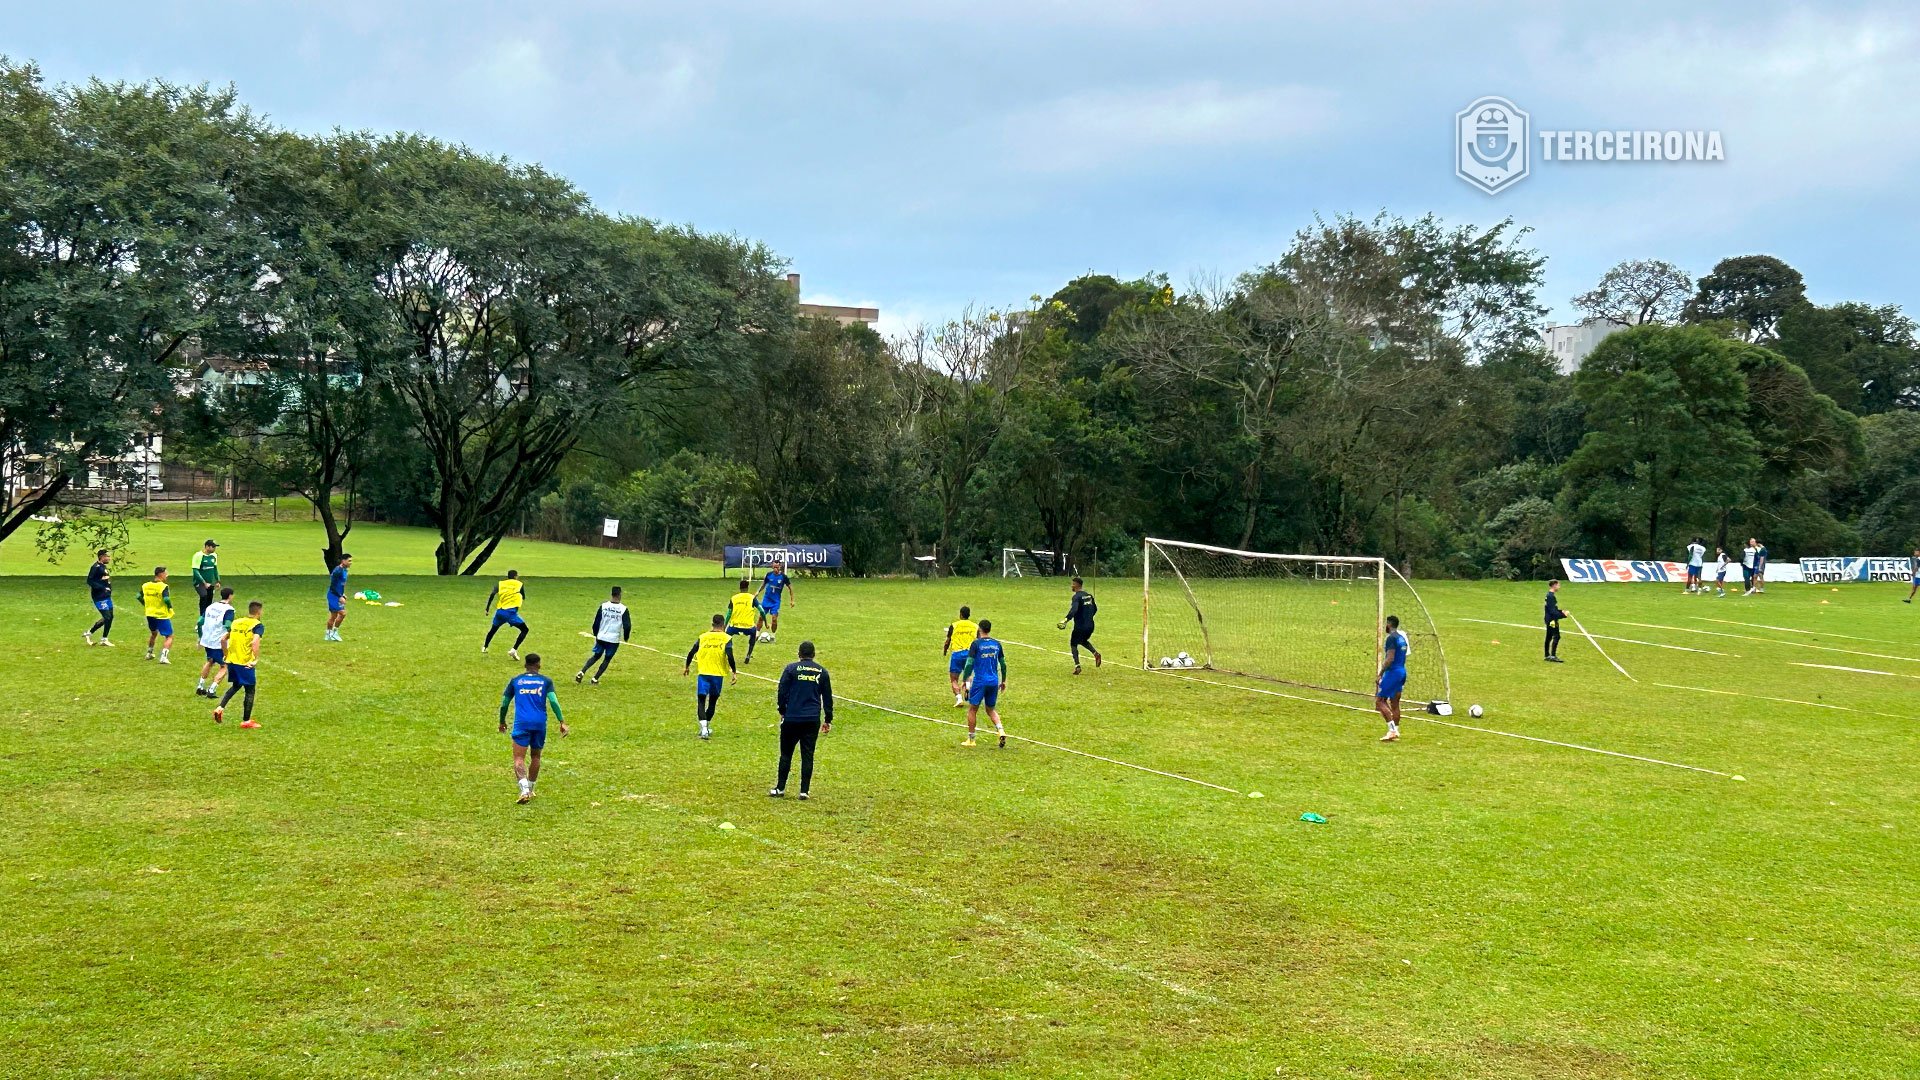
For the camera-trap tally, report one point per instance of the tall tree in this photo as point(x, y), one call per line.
point(1867, 358)
point(1752, 291)
point(1667, 439)
point(1638, 292)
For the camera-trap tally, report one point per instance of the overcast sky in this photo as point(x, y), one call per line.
point(920, 156)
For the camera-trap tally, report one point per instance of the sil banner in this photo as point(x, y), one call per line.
point(796, 556)
point(1590, 571)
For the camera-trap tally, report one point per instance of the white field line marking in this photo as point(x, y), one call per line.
point(1765, 641)
point(1786, 701)
point(1855, 670)
point(1011, 736)
point(1604, 637)
point(1598, 649)
point(923, 893)
point(1424, 718)
point(1794, 630)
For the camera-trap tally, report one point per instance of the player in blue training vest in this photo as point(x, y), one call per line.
point(1393, 678)
point(529, 695)
point(337, 596)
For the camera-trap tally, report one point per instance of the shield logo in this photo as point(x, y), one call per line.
point(1490, 144)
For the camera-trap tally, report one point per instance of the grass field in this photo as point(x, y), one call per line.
point(351, 891)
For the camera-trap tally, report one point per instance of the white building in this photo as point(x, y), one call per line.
point(1569, 345)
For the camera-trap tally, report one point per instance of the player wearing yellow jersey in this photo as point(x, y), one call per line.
point(712, 652)
point(960, 635)
point(509, 594)
point(743, 617)
point(243, 643)
point(159, 606)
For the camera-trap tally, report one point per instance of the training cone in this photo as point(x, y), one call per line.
point(728, 825)
point(1255, 795)
point(1313, 817)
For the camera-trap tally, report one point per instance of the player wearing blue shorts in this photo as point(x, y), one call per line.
point(960, 635)
point(986, 677)
point(158, 604)
point(743, 617)
point(773, 588)
point(612, 624)
point(100, 588)
point(713, 652)
point(1720, 571)
point(215, 622)
point(1393, 678)
point(337, 596)
point(529, 696)
point(243, 642)
point(1696, 554)
point(1913, 567)
point(504, 601)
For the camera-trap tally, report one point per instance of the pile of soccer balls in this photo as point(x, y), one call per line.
point(1182, 660)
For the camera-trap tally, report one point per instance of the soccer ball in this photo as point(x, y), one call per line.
point(766, 637)
point(1475, 711)
point(1166, 661)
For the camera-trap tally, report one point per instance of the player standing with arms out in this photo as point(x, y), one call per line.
point(611, 625)
point(960, 635)
point(772, 588)
point(986, 677)
point(529, 695)
point(511, 593)
point(1696, 554)
point(713, 652)
point(337, 596)
point(1080, 613)
point(1393, 677)
point(158, 603)
point(805, 701)
point(244, 639)
point(1554, 613)
point(214, 624)
point(1720, 571)
point(743, 616)
point(100, 587)
point(206, 574)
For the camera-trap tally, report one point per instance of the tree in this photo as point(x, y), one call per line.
point(1667, 439)
point(1806, 444)
point(1638, 292)
point(1864, 357)
point(119, 243)
point(1889, 482)
point(1752, 291)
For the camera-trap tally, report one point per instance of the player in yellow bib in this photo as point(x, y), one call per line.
point(743, 617)
point(960, 635)
point(504, 601)
point(159, 606)
point(712, 655)
point(243, 643)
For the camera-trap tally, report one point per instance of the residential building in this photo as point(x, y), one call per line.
point(845, 316)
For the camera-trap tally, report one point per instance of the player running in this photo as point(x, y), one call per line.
point(805, 702)
point(529, 695)
point(960, 635)
point(206, 574)
point(1393, 674)
point(158, 603)
point(713, 652)
point(743, 616)
point(611, 625)
point(100, 587)
point(214, 624)
point(510, 593)
point(986, 676)
point(1696, 554)
point(1080, 613)
point(243, 645)
point(1554, 613)
point(337, 596)
point(772, 588)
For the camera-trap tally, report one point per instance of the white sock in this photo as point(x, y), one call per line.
point(525, 784)
point(200, 684)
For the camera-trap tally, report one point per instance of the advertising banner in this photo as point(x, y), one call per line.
point(796, 556)
point(1836, 569)
point(1590, 571)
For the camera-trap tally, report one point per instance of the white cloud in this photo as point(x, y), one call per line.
point(1094, 128)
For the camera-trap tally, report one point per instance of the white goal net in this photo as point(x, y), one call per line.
point(1310, 620)
point(1030, 562)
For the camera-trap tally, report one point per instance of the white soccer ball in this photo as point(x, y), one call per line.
point(1183, 658)
point(1166, 661)
point(1188, 662)
point(766, 637)
point(1475, 711)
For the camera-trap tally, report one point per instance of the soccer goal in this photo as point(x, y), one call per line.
point(1310, 620)
point(1027, 562)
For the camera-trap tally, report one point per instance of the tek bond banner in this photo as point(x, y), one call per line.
point(1591, 571)
point(1839, 569)
point(796, 556)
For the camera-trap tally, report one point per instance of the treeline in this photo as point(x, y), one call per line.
point(468, 343)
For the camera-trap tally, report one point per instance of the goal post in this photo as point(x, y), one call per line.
point(1027, 562)
point(1310, 620)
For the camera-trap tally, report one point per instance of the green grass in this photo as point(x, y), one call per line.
point(251, 549)
point(351, 891)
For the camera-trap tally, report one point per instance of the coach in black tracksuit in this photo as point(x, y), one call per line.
point(805, 700)
point(1553, 616)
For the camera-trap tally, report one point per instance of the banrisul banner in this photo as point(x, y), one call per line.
point(1857, 568)
point(796, 556)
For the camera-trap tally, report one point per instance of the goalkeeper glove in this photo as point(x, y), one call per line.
point(1062, 625)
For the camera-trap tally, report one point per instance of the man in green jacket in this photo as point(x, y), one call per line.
point(206, 574)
